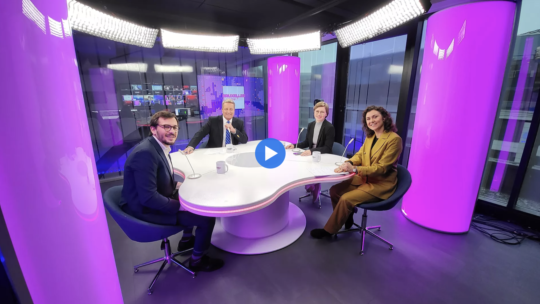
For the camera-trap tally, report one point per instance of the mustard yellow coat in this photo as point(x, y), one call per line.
point(377, 167)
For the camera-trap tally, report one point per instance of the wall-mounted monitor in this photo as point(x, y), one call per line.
point(156, 87)
point(138, 100)
point(179, 99)
point(187, 92)
point(128, 99)
point(148, 100)
point(136, 87)
point(170, 100)
point(158, 99)
point(168, 88)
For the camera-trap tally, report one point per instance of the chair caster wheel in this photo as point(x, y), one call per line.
point(391, 248)
point(361, 253)
point(136, 270)
point(150, 291)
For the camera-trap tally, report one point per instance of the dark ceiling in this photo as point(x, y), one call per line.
point(248, 18)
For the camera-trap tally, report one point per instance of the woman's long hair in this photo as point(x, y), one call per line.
point(387, 120)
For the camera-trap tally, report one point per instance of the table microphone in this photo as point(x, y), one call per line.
point(341, 163)
point(194, 175)
point(295, 146)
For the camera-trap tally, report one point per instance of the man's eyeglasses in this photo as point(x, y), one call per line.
point(169, 127)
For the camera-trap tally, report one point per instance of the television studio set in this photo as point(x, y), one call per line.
point(270, 151)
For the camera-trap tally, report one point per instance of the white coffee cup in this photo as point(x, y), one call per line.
point(229, 148)
point(316, 156)
point(221, 167)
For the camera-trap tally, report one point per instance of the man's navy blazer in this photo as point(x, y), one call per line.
point(214, 127)
point(149, 185)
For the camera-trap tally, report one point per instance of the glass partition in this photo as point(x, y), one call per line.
point(124, 85)
point(374, 78)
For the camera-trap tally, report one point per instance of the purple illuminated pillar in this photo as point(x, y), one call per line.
point(50, 195)
point(283, 97)
point(462, 74)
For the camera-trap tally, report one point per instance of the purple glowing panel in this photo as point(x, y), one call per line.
point(283, 97)
point(50, 194)
point(462, 73)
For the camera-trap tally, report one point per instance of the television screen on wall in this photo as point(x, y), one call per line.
point(157, 87)
point(158, 99)
point(138, 100)
point(148, 100)
point(136, 87)
point(246, 92)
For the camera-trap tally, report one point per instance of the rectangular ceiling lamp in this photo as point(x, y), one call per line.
point(388, 17)
point(129, 67)
point(88, 20)
point(202, 43)
point(160, 68)
point(285, 45)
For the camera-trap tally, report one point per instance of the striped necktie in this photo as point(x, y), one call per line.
point(227, 135)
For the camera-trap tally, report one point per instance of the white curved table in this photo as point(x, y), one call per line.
point(252, 201)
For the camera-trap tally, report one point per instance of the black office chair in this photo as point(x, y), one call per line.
point(403, 185)
point(140, 231)
point(337, 149)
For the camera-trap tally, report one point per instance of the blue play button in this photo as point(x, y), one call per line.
point(270, 153)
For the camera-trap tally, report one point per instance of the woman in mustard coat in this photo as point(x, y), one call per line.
point(375, 166)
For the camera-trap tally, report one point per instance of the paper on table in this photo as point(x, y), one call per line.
point(214, 151)
point(324, 171)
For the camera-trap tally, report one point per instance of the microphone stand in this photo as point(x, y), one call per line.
point(194, 175)
point(296, 150)
point(342, 156)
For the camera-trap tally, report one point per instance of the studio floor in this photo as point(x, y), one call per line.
point(424, 267)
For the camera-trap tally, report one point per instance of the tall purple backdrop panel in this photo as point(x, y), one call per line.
point(50, 194)
point(283, 97)
point(462, 73)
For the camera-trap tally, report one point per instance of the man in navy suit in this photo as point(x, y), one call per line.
point(151, 194)
point(224, 129)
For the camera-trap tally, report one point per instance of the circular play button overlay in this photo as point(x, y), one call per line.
point(270, 153)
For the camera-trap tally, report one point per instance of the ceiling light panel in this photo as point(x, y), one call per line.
point(284, 45)
point(388, 17)
point(202, 43)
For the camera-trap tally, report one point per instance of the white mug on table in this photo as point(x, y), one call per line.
point(221, 167)
point(316, 155)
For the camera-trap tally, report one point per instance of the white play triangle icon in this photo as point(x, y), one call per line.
point(268, 153)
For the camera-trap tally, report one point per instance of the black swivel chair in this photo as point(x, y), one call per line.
point(140, 231)
point(403, 185)
point(337, 149)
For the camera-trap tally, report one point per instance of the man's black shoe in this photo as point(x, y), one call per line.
point(205, 263)
point(186, 245)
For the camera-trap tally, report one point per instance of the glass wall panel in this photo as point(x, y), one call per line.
point(410, 129)
point(516, 106)
point(374, 78)
point(125, 85)
point(529, 197)
point(317, 80)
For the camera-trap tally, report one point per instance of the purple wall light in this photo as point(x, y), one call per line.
point(462, 73)
point(283, 97)
point(50, 194)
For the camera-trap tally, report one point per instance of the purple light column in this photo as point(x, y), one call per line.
point(50, 195)
point(283, 97)
point(462, 73)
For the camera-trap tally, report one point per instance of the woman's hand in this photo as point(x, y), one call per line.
point(306, 153)
point(338, 170)
point(346, 167)
point(289, 146)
